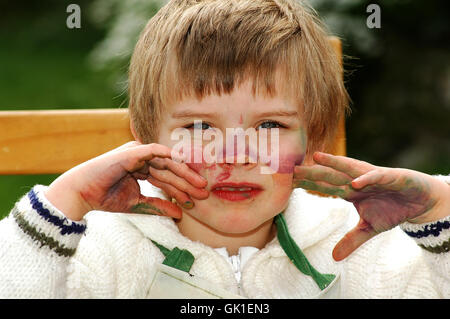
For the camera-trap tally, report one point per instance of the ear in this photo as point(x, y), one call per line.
point(133, 131)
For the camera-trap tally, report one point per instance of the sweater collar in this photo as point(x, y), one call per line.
point(311, 218)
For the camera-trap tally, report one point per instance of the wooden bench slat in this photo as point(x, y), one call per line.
point(48, 142)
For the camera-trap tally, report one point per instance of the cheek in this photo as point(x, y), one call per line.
point(197, 162)
point(282, 189)
point(291, 153)
point(205, 166)
point(287, 162)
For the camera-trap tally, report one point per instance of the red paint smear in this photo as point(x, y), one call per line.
point(227, 168)
point(288, 162)
point(197, 167)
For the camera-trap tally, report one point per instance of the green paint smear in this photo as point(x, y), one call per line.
point(188, 205)
point(145, 208)
point(314, 187)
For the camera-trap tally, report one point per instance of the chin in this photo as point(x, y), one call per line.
point(238, 221)
point(239, 218)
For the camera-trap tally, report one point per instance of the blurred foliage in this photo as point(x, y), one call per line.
point(398, 79)
point(122, 21)
point(398, 76)
point(43, 65)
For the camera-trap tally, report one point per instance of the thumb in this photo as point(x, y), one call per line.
point(353, 239)
point(156, 206)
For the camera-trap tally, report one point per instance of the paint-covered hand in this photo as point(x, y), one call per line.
point(109, 183)
point(384, 197)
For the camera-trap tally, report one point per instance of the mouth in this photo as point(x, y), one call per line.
point(236, 191)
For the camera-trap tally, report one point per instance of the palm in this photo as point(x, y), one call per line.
point(384, 206)
point(383, 197)
point(116, 189)
point(119, 196)
point(110, 181)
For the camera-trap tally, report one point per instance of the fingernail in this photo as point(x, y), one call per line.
point(178, 157)
point(188, 204)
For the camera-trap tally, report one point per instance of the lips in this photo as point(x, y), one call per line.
point(236, 191)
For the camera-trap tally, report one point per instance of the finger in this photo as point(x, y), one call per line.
point(125, 146)
point(155, 206)
point(323, 187)
point(140, 175)
point(321, 173)
point(168, 177)
point(352, 240)
point(370, 178)
point(150, 151)
point(347, 165)
point(135, 158)
point(182, 198)
point(119, 149)
point(384, 177)
point(181, 170)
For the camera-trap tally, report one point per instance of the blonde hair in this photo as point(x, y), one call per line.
point(200, 47)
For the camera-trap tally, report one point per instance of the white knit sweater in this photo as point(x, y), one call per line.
point(114, 256)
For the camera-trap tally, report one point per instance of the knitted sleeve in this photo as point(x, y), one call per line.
point(434, 239)
point(37, 243)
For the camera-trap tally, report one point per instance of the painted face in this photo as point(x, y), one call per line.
point(248, 185)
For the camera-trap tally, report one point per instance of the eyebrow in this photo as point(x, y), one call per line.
point(283, 113)
point(191, 114)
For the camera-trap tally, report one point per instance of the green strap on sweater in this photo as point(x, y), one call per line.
point(296, 255)
point(182, 259)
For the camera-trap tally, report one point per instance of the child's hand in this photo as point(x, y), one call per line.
point(109, 182)
point(384, 197)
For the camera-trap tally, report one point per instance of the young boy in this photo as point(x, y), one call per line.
point(207, 66)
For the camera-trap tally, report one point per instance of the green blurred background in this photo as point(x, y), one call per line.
point(398, 76)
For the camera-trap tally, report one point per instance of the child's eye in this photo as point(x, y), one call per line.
point(270, 124)
point(199, 126)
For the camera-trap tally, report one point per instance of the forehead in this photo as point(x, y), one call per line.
point(242, 100)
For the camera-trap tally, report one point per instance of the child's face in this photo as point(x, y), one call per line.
point(241, 197)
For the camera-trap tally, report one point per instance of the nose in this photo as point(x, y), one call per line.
point(240, 154)
point(239, 160)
